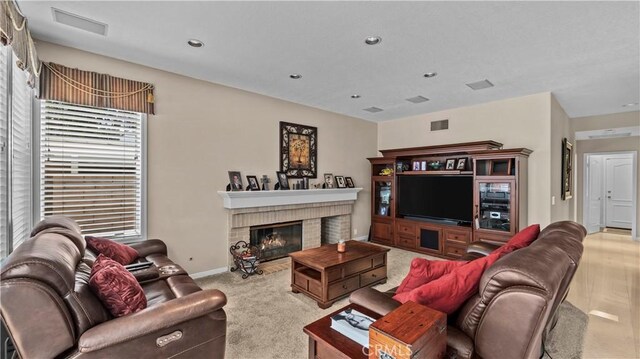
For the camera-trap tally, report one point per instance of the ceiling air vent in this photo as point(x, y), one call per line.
point(79, 22)
point(418, 99)
point(480, 85)
point(373, 109)
point(439, 125)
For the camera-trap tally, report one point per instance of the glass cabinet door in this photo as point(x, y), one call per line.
point(382, 198)
point(494, 205)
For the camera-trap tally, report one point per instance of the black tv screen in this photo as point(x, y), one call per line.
point(436, 197)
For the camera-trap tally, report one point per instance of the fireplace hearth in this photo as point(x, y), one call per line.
point(277, 240)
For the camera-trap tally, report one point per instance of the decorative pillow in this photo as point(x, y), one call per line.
point(450, 291)
point(118, 289)
point(119, 252)
point(522, 239)
point(423, 271)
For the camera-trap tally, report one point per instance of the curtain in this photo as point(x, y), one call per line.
point(15, 32)
point(60, 83)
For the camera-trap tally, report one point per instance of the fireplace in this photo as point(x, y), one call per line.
point(276, 240)
point(249, 210)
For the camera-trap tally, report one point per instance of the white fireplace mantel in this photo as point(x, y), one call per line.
point(250, 199)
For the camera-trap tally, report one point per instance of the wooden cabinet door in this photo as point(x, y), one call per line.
point(495, 203)
point(382, 190)
point(430, 239)
point(382, 232)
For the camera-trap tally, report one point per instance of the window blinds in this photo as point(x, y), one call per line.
point(91, 168)
point(21, 167)
point(4, 149)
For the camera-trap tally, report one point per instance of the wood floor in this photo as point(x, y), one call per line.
point(607, 287)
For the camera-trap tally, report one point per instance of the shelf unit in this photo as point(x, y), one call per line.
point(383, 208)
point(500, 186)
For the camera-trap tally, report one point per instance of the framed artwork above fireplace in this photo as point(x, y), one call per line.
point(298, 150)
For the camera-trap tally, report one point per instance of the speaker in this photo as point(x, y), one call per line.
point(430, 239)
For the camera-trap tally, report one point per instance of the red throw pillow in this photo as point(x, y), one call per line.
point(119, 252)
point(522, 239)
point(118, 289)
point(450, 291)
point(423, 271)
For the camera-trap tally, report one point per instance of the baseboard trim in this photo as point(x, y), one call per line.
point(361, 238)
point(208, 273)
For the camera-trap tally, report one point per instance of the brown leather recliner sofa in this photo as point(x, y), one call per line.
point(518, 298)
point(50, 311)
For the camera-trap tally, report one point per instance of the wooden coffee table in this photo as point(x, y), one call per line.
point(325, 342)
point(326, 275)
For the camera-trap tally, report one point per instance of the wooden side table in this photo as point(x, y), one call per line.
point(410, 331)
point(327, 343)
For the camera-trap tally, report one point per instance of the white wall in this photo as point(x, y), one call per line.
point(517, 122)
point(201, 131)
point(620, 144)
point(560, 128)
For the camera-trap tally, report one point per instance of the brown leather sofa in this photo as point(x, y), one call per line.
point(517, 301)
point(50, 311)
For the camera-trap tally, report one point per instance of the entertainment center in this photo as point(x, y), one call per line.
point(438, 199)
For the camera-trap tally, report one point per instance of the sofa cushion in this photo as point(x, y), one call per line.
point(450, 291)
point(157, 292)
point(119, 252)
point(522, 239)
point(423, 271)
point(118, 289)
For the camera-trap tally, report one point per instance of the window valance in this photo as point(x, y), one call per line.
point(60, 83)
point(15, 32)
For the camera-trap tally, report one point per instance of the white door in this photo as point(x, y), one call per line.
point(595, 187)
point(619, 178)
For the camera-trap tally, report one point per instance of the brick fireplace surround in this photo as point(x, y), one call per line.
point(325, 213)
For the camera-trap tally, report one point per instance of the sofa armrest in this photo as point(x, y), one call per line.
point(459, 345)
point(150, 246)
point(374, 300)
point(482, 248)
point(152, 319)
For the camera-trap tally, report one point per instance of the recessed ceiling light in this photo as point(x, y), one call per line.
point(630, 104)
point(430, 74)
point(355, 96)
point(195, 43)
point(373, 40)
point(295, 76)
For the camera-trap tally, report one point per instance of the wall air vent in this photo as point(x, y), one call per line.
point(418, 99)
point(480, 85)
point(79, 22)
point(439, 125)
point(373, 109)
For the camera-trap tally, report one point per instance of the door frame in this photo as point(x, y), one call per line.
point(634, 181)
point(586, 183)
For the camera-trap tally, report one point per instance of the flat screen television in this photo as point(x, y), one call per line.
point(436, 197)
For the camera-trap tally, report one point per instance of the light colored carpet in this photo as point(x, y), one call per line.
point(566, 340)
point(265, 319)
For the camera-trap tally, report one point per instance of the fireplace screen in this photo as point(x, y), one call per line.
point(277, 240)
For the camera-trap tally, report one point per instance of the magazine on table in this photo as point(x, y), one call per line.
point(353, 324)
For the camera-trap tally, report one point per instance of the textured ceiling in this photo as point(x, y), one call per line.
point(586, 53)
